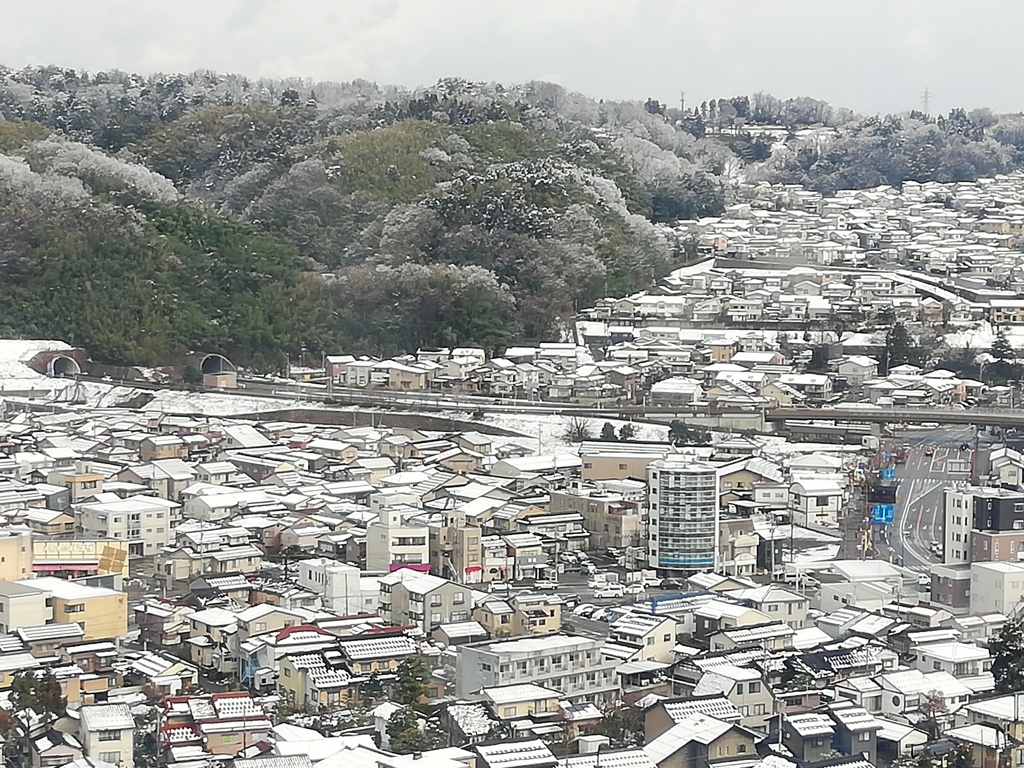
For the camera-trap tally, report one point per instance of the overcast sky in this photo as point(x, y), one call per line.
point(869, 55)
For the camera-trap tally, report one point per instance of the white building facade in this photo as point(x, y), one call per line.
point(682, 531)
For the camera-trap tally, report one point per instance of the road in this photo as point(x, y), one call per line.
point(917, 521)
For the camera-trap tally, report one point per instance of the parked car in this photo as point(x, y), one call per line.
point(613, 552)
point(584, 610)
point(929, 451)
point(670, 584)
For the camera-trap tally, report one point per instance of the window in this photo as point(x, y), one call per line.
point(485, 666)
point(435, 618)
point(508, 712)
point(287, 672)
point(435, 600)
point(76, 608)
point(622, 466)
point(459, 598)
point(109, 736)
point(741, 748)
point(754, 688)
point(739, 689)
point(650, 641)
point(110, 757)
point(821, 501)
point(864, 736)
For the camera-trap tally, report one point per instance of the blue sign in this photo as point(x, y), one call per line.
point(882, 514)
point(888, 474)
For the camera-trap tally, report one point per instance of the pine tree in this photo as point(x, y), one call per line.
point(608, 431)
point(411, 683)
point(404, 733)
point(901, 347)
point(1007, 650)
point(1001, 348)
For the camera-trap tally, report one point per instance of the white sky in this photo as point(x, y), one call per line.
point(869, 55)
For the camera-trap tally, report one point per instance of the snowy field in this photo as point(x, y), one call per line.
point(981, 335)
point(544, 433)
point(215, 403)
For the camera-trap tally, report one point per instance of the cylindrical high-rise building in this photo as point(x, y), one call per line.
point(682, 530)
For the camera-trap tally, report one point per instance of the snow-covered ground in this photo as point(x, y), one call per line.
point(14, 370)
point(981, 335)
point(544, 433)
point(214, 403)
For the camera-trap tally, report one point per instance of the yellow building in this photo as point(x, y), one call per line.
point(518, 702)
point(309, 681)
point(15, 555)
point(102, 613)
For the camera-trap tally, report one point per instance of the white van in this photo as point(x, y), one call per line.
point(609, 591)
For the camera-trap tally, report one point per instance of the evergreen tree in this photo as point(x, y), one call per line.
point(1001, 348)
point(627, 432)
point(608, 431)
point(1006, 366)
point(411, 683)
point(404, 733)
point(901, 347)
point(1007, 650)
point(681, 433)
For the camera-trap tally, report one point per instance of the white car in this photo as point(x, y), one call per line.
point(636, 589)
point(583, 610)
point(609, 591)
point(545, 584)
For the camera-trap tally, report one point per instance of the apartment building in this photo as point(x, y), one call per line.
point(682, 534)
point(571, 664)
point(23, 605)
point(145, 522)
point(612, 515)
point(102, 613)
point(982, 524)
point(997, 587)
point(413, 598)
point(395, 538)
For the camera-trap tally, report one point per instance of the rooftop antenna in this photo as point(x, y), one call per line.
point(926, 98)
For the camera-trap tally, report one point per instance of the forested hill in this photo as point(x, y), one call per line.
point(143, 217)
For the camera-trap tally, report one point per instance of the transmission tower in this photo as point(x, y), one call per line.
point(925, 99)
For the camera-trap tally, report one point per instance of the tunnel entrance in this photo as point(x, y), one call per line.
point(216, 364)
point(65, 367)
